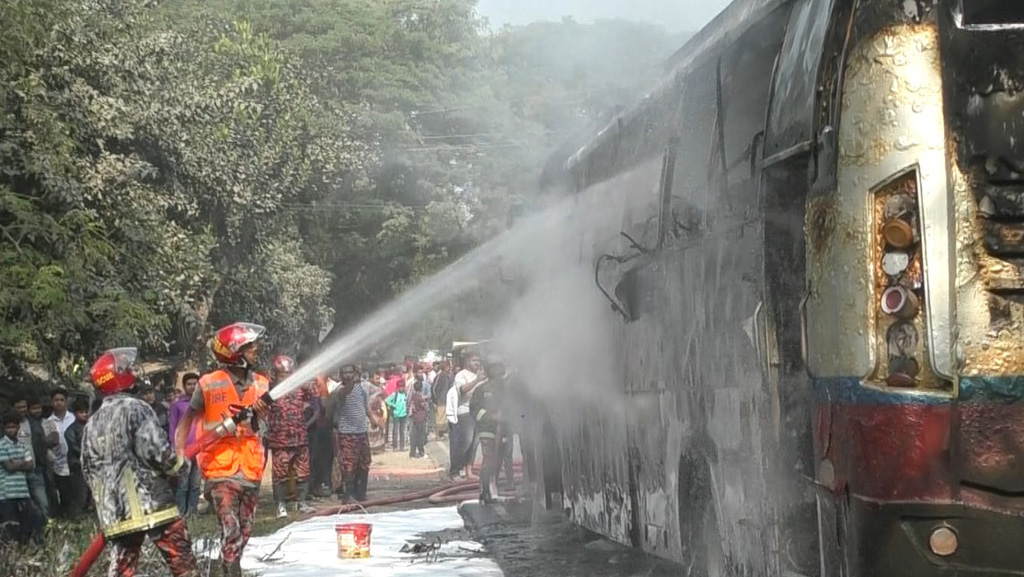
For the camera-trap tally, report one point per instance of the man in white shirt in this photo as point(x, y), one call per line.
point(460, 442)
point(451, 412)
point(61, 419)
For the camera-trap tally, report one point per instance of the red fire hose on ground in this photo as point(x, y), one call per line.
point(92, 553)
point(451, 492)
point(470, 489)
point(397, 499)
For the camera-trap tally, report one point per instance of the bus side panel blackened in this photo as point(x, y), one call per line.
point(595, 471)
point(983, 74)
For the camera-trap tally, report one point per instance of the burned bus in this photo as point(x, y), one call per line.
point(819, 311)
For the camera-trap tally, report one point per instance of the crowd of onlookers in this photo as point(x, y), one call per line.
point(40, 462)
point(406, 404)
point(402, 400)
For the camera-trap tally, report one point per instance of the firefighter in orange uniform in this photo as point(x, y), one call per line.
point(233, 464)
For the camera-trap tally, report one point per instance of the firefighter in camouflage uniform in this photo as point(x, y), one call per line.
point(129, 465)
point(287, 437)
point(232, 464)
point(486, 406)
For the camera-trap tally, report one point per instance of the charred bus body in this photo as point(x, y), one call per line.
point(819, 312)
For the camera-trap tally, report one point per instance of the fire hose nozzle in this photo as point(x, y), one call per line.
point(227, 427)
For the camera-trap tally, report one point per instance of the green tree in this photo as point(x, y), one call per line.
point(290, 162)
point(144, 170)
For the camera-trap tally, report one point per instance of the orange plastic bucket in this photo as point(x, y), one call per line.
point(353, 540)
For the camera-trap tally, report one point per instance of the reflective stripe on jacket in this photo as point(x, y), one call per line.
point(127, 461)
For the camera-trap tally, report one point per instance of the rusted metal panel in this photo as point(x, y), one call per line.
point(884, 446)
point(983, 69)
point(837, 231)
point(881, 138)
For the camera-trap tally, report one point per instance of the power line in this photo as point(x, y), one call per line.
point(467, 147)
point(518, 100)
point(547, 132)
point(349, 204)
point(334, 208)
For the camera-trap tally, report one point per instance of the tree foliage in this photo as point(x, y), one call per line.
point(165, 168)
point(146, 170)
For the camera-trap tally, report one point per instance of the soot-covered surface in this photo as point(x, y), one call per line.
point(525, 543)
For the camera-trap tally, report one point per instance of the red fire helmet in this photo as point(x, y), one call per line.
point(283, 365)
point(114, 371)
point(227, 344)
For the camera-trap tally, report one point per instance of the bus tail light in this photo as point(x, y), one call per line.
point(899, 302)
point(899, 282)
point(898, 234)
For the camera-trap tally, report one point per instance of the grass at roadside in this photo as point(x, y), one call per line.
point(65, 542)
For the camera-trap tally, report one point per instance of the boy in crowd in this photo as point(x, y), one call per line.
point(398, 411)
point(73, 438)
point(19, 518)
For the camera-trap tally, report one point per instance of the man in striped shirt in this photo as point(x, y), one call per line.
point(19, 517)
point(349, 412)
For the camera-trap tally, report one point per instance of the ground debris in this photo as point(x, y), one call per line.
point(269, 557)
point(428, 549)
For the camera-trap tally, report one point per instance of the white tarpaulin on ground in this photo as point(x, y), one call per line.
point(310, 548)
